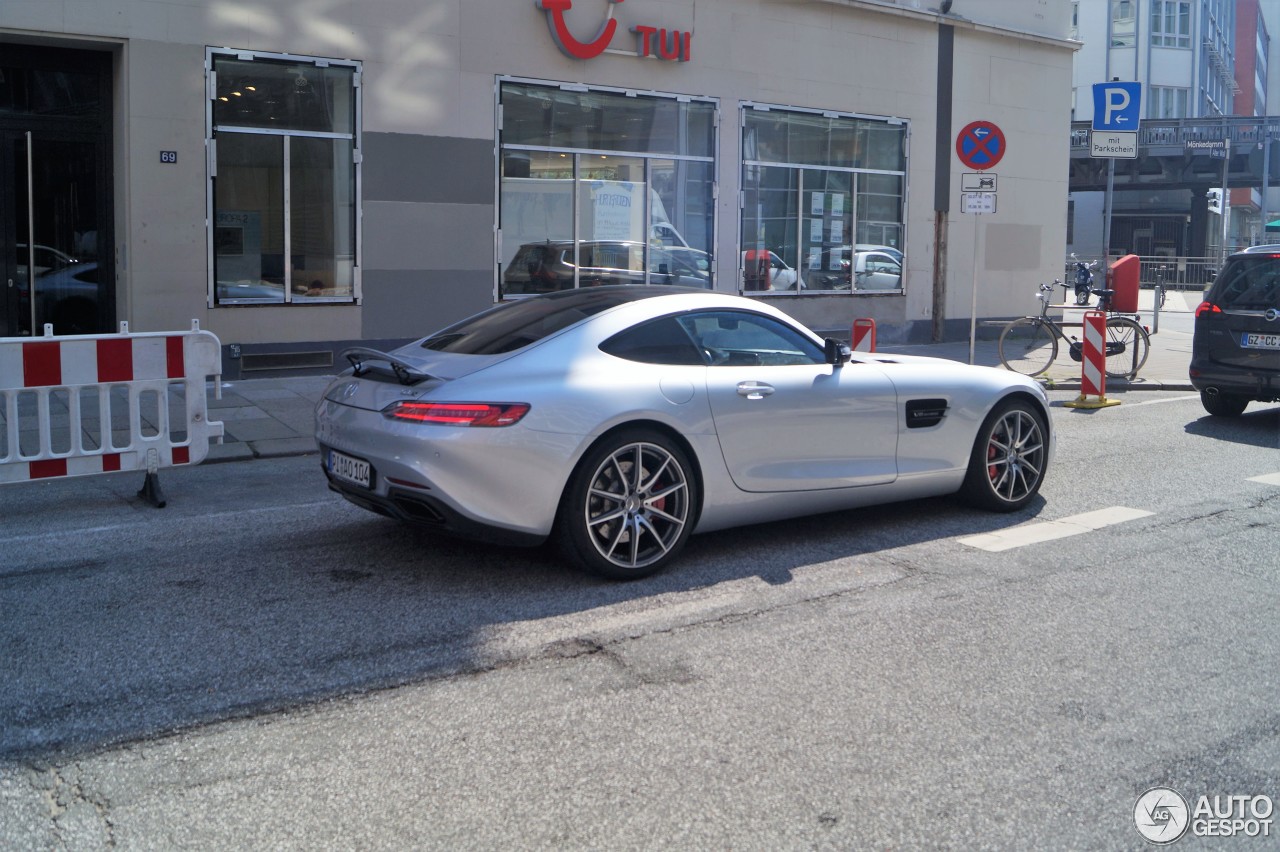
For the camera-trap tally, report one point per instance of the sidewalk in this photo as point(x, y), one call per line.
point(266, 418)
point(274, 417)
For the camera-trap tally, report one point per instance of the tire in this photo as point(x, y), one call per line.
point(1223, 405)
point(629, 507)
point(1028, 346)
point(1007, 464)
point(1129, 357)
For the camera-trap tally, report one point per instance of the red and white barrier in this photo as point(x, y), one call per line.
point(863, 335)
point(87, 404)
point(1093, 364)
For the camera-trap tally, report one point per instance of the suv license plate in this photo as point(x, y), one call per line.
point(1260, 341)
point(344, 467)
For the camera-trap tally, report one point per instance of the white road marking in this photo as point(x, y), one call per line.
point(1266, 479)
point(1036, 532)
point(1162, 401)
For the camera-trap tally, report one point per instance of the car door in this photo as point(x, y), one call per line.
point(786, 419)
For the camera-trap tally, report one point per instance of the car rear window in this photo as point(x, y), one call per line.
point(514, 325)
point(1249, 283)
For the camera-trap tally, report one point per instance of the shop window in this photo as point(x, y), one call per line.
point(284, 208)
point(821, 192)
point(603, 187)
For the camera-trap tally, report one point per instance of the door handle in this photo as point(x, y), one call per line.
point(754, 390)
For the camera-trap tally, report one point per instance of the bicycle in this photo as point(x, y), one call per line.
point(1029, 345)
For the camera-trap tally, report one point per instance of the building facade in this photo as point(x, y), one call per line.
point(298, 176)
point(1196, 59)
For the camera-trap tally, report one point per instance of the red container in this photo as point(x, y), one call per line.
point(756, 270)
point(1123, 278)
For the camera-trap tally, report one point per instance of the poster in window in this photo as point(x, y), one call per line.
point(617, 210)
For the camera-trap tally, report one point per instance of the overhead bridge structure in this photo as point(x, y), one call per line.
point(1195, 154)
point(1185, 154)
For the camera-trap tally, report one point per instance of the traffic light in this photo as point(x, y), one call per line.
point(1215, 200)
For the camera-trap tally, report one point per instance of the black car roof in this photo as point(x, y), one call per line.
point(515, 324)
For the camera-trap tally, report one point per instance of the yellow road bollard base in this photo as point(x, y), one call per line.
point(1083, 401)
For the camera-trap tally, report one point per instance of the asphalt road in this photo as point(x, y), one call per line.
point(260, 665)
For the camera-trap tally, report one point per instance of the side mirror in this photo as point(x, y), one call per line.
point(836, 352)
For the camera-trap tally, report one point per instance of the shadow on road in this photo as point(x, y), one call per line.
point(131, 622)
point(1257, 427)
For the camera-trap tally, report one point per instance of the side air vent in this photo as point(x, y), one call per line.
point(923, 413)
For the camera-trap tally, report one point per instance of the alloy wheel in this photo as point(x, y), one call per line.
point(1015, 455)
point(637, 505)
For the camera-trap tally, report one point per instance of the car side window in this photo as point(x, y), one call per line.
point(741, 338)
point(660, 341)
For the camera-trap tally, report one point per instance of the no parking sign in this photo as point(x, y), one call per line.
point(980, 145)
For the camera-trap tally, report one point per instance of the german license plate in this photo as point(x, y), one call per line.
point(1260, 341)
point(348, 469)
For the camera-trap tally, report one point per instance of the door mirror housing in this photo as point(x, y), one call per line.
point(837, 353)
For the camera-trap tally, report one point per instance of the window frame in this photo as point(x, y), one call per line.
point(212, 54)
point(1178, 11)
point(579, 161)
point(857, 190)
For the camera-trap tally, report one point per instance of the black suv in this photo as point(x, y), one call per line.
point(1235, 354)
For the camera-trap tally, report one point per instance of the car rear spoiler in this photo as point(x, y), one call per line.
point(405, 373)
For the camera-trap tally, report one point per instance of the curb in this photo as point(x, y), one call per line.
point(1117, 385)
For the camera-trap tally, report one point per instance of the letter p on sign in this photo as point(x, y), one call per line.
point(1116, 106)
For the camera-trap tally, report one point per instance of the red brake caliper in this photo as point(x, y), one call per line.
point(991, 454)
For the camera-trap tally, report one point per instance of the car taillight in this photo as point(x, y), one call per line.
point(458, 413)
point(1207, 308)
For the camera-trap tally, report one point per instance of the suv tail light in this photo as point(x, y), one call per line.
point(1207, 308)
point(458, 413)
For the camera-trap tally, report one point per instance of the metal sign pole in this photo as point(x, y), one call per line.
point(973, 301)
point(1226, 200)
point(1106, 216)
point(31, 233)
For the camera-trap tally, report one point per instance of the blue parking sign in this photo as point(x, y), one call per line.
point(1116, 106)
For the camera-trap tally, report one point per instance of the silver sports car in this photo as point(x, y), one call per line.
point(619, 420)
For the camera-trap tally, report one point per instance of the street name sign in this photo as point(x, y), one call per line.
point(1215, 148)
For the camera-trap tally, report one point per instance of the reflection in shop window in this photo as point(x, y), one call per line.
point(820, 192)
point(284, 204)
point(603, 187)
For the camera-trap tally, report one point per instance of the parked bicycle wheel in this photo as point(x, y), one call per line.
point(1028, 346)
point(1127, 348)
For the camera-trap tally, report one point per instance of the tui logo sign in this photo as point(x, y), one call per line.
point(658, 42)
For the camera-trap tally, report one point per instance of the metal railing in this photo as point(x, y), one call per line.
point(1242, 131)
point(1172, 273)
